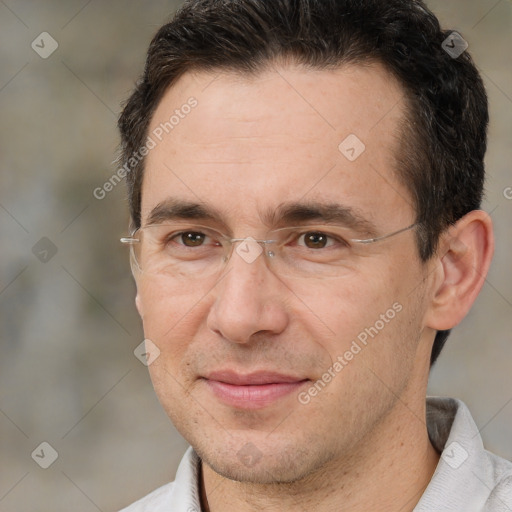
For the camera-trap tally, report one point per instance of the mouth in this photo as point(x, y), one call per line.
point(252, 391)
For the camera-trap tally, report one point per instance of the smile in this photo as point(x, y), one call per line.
point(253, 391)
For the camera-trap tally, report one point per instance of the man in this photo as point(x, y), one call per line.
point(305, 178)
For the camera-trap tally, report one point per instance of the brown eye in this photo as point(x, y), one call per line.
point(315, 240)
point(192, 238)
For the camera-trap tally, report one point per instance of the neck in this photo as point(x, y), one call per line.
point(388, 470)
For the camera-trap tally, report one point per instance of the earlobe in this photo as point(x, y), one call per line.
point(464, 256)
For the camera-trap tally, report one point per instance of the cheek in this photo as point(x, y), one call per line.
point(372, 325)
point(170, 316)
point(344, 307)
point(371, 349)
point(171, 322)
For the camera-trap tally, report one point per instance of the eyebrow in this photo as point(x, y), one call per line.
point(286, 214)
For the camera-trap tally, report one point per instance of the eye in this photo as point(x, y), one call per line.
point(193, 239)
point(194, 243)
point(189, 238)
point(319, 240)
point(314, 239)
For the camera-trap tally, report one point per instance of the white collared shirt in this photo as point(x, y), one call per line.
point(468, 478)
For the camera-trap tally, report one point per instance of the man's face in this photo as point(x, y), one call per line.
point(250, 146)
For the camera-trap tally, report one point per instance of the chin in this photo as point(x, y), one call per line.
point(260, 462)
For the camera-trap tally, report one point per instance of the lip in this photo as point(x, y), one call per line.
point(252, 379)
point(252, 391)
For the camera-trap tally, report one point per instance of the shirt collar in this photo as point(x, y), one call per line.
point(186, 484)
point(464, 476)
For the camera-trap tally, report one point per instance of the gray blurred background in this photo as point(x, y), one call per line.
point(68, 326)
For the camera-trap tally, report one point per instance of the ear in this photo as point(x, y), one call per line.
point(463, 259)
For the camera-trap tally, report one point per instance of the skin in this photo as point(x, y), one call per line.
point(250, 144)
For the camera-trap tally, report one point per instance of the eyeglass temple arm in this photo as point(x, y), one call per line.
point(129, 240)
point(383, 237)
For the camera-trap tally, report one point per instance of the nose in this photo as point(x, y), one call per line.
point(249, 298)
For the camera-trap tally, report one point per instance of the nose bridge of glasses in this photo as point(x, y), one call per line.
point(249, 248)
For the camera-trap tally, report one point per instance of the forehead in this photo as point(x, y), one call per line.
point(247, 143)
